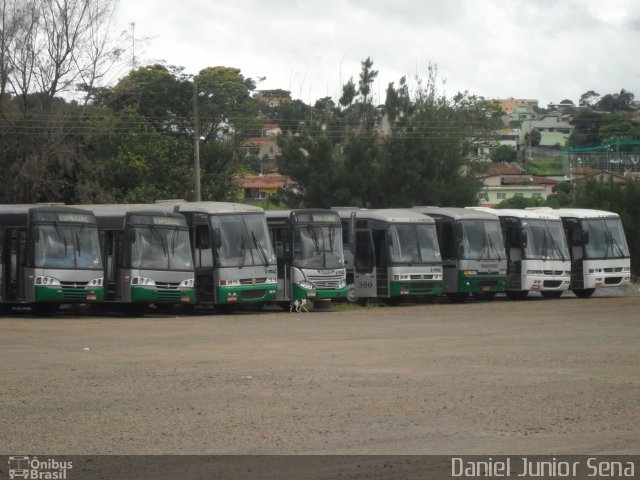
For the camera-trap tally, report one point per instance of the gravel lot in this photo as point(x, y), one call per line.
point(538, 376)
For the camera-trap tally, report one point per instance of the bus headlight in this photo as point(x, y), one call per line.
point(468, 273)
point(148, 282)
point(272, 280)
point(306, 285)
point(188, 283)
point(96, 282)
point(48, 281)
point(341, 284)
point(229, 283)
point(401, 278)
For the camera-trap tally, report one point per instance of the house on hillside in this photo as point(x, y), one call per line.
point(502, 182)
point(554, 130)
point(261, 187)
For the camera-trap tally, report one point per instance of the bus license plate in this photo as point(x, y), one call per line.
point(91, 297)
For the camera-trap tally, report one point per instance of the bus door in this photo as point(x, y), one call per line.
point(364, 280)
point(14, 263)
point(281, 240)
point(203, 244)
point(112, 262)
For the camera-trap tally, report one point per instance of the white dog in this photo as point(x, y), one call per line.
point(298, 305)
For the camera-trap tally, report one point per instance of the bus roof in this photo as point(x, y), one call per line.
point(456, 213)
point(286, 214)
point(394, 215)
point(208, 207)
point(584, 213)
point(121, 209)
point(542, 214)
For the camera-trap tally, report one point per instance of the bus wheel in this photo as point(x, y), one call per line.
point(351, 293)
point(583, 292)
point(136, 309)
point(45, 309)
point(457, 297)
point(517, 294)
point(551, 293)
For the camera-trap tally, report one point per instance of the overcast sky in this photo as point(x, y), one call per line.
point(547, 50)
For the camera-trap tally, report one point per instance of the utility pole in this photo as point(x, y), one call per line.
point(196, 140)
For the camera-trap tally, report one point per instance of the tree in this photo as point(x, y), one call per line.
point(617, 102)
point(536, 136)
point(47, 49)
point(367, 77)
point(349, 93)
point(504, 153)
point(418, 162)
point(588, 98)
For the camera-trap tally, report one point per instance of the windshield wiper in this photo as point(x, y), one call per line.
point(612, 241)
point(260, 247)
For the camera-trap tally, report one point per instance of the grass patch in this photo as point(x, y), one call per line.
point(546, 166)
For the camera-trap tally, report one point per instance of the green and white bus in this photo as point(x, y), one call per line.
point(390, 254)
point(472, 248)
point(50, 257)
point(234, 260)
point(537, 255)
point(147, 257)
point(308, 245)
point(598, 248)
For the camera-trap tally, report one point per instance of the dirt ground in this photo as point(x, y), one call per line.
point(538, 376)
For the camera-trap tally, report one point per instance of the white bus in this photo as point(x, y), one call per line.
point(598, 248)
point(537, 255)
point(472, 249)
point(308, 246)
point(391, 254)
point(233, 257)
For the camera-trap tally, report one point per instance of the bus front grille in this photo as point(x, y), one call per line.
point(253, 281)
point(612, 280)
point(552, 283)
point(74, 291)
point(328, 282)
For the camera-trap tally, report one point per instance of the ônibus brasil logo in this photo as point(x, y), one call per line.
point(37, 469)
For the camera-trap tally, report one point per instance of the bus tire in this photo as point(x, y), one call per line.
point(583, 292)
point(351, 293)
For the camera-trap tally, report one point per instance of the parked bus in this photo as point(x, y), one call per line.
point(537, 254)
point(147, 257)
point(50, 256)
point(390, 254)
point(472, 248)
point(308, 245)
point(598, 248)
point(233, 257)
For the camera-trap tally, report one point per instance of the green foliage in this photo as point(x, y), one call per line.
point(504, 153)
point(419, 162)
point(521, 202)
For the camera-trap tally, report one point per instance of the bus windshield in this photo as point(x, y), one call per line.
point(606, 238)
point(244, 240)
point(413, 243)
point(67, 246)
point(481, 240)
point(161, 248)
point(545, 240)
point(317, 246)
